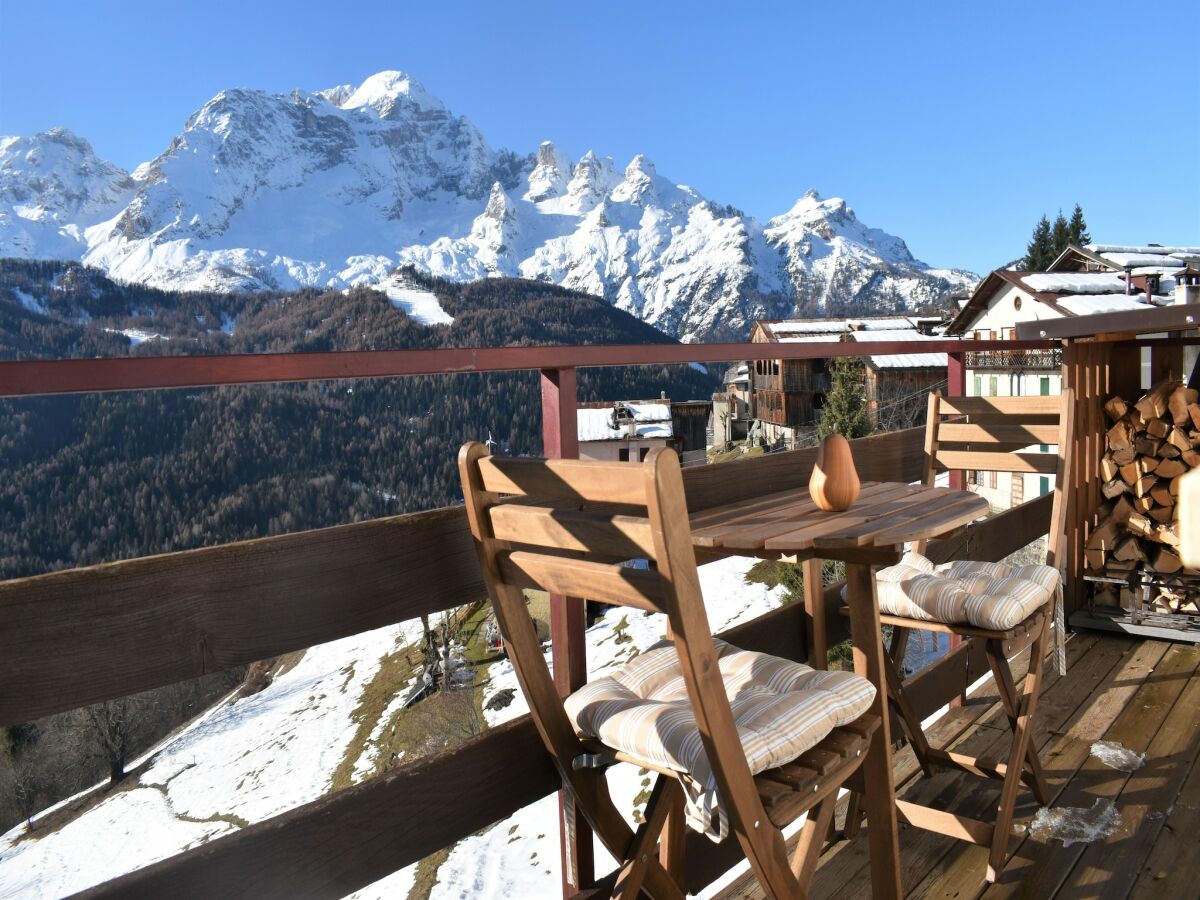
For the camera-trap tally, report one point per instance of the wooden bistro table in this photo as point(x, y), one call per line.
point(871, 532)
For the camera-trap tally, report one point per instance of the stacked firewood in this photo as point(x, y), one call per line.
point(1151, 444)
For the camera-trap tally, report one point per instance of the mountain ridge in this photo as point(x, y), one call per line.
point(338, 187)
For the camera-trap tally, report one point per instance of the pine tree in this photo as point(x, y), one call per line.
point(845, 410)
point(1039, 252)
point(1059, 238)
point(1077, 228)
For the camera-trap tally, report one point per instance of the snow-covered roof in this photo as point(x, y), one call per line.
point(1087, 304)
point(809, 326)
point(901, 360)
point(650, 420)
point(827, 338)
point(1075, 282)
point(1129, 260)
point(1144, 248)
point(794, 330)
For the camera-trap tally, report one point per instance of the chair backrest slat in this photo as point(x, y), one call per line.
point(606, 582)
point(1004, 406)
point(997, 434)
point(1022, 434)
point(573, 529)
point(562, 479)
point(989, 461)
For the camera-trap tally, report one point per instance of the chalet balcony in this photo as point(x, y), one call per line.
point(83, 636)
point(1014, 360)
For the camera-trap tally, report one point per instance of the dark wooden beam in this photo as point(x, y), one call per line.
point(80, 636)
point(1178, 317)
point(65, 376)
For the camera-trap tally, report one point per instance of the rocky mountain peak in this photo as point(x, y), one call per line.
point(338, 187)
point(551, 174)
point(385, 91)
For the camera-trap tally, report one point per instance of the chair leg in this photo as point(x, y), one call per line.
point(909, 720)
point(674, 839)
point(645, 839)
point(812, 838)
point(1025, 708)
point(1006, 687)
point(854, 815)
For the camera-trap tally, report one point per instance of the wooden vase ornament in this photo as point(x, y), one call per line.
point(834, 484)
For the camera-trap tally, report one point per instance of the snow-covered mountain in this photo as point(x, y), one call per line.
point(338, 187)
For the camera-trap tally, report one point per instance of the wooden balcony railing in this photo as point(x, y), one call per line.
point(1014, 359)
point(82, 636)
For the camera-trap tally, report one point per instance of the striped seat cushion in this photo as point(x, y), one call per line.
point(987, 595)
point(781, 708)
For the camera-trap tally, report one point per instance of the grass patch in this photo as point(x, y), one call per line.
point(735, 454)
point(427, 874)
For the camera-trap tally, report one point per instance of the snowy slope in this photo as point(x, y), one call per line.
point(258, 756)
point(337, 187)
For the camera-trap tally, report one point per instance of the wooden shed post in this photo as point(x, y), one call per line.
point(560, 440)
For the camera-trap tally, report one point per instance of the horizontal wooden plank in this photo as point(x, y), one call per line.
point(343, 842)
point(84, 635)
point(1034, 406)
point(606, 582)
point(981, 460)
point(58, 376)
point(894, 456)
point(566, 479)
point(1022, 434)
point(573, 529)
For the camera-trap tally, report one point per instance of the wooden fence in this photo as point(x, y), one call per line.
point(86, 635)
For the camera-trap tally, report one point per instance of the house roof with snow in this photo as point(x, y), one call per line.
point(737, 374)
point(1060, 293)
point(1135, 259)
point(914, 360)
point(797, 331)
point(624, 421)
point(862, 329)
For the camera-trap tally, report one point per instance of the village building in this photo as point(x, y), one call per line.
point(628, 430)
point(733, 407)
point(1082, 281)
point(788, 395)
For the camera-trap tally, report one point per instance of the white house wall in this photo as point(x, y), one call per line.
point(1002, 312)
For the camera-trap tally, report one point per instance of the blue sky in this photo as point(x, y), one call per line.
point(953, 125)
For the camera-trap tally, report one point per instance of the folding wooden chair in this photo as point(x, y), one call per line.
point(566, 526)
point(1008, 608)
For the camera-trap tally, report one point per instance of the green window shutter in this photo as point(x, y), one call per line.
point(993, 386)
point(1044, 486)
point(978, 385)
point(1045, 386)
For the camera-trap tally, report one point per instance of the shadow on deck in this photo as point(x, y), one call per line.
point(1143, 695)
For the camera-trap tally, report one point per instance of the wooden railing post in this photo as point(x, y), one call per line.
point(560, 440)
point(956, 386)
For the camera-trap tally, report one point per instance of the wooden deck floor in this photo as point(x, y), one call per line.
point(1144, 695)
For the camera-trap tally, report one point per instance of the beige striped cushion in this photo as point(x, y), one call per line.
point(987, 595)
point(781, 708)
